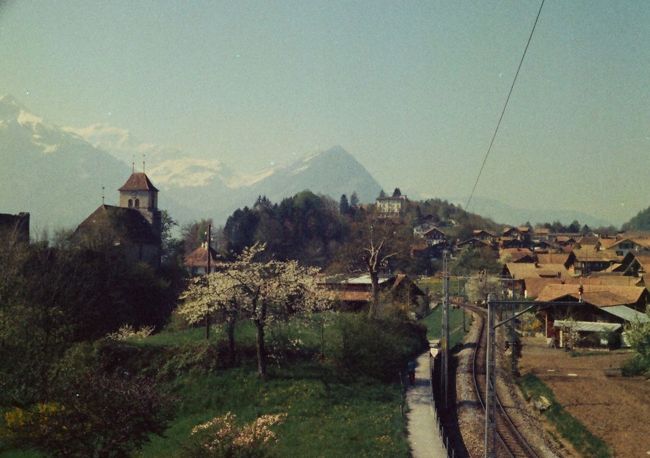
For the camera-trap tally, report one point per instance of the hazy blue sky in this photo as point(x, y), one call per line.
point(412, 89)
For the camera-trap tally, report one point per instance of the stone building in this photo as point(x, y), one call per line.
point(135, 225)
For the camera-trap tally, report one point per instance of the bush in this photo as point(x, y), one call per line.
point(221, 437)
point(375, 348)
point(91, 415)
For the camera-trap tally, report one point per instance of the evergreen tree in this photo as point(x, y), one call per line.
point(344, 206)
point(354, 200)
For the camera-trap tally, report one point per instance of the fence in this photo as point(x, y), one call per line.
point(434, 368)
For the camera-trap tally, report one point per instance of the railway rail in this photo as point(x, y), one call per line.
point(509, 441)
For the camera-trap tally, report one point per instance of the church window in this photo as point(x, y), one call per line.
point(137, 203)
point(130, 203)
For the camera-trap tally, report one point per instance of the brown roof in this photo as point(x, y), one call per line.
point(516, 254)
point(590, 253)
point(199, 258)
point(138, 181)
point(553, 258)
point(598, 295)
point(523, 270)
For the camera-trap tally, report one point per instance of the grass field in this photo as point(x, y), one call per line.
point(433, 322)
point(328, 415)
point(364, 416)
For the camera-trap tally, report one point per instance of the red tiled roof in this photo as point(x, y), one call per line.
point(138, 181)
point(199, 258)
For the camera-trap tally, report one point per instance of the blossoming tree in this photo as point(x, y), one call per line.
point(263, 292)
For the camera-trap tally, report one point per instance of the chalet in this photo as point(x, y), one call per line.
point(134, 226)
point(596, 304)
point(435, 236)
point(637, 265)
point(566, 259)
point(565, 239)
point(355, 293)
point(588, 258)
point(522, 279)
point(484, 235)
point(14, 228)
point(513, 237)
point(197, 263)
point(474, 243)
point(517, 255)
point(630, 245)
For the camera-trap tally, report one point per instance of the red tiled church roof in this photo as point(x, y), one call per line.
point(138, 181)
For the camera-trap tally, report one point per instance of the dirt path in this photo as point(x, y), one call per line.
point(616, 409)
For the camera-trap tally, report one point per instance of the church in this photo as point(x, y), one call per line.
point(135, 225)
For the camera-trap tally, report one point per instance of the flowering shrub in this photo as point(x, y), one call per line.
point(222, 437)
point(129, 332)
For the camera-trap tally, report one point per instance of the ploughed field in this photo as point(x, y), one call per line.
point(614, 408)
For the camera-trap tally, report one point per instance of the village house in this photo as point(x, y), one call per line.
point(516, 255)
point(486, 236)
point(597, 309)
point(196, 263)
point(135, 225)
point(355, 293)
point(589, 258)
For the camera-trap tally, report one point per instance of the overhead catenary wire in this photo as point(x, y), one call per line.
point(505, 106)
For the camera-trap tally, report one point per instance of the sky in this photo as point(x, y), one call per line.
point(412, 89)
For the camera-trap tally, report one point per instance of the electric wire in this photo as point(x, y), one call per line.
point(505, 105)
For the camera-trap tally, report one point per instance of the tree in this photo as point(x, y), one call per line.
point(375, 259)
point(193, 234)
point(260, 291)
point(214, 295)
point(354, 200)
point(344, 206)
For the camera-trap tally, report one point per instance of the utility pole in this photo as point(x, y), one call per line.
point(207, 278)
point(490, 385)
point(490, 358)
point(445, 330)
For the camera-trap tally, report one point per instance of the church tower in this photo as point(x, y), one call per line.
point(140, 194)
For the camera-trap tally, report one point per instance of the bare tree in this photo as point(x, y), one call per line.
point(375, 259)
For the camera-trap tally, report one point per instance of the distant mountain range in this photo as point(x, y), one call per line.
point(506, 214)
point(57, 173)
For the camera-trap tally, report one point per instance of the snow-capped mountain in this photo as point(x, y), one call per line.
point(57, 174)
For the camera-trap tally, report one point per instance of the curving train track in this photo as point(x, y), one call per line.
point(509, 441)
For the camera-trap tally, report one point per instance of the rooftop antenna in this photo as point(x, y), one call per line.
point(102, 195)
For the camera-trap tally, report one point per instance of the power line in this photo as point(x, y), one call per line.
point(505, 105)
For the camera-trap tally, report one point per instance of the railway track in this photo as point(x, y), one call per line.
point(509, 441)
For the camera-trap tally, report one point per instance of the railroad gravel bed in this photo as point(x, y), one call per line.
point(471, 418)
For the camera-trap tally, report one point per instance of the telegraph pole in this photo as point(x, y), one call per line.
point(490, 385)
point(207, 279)
point(490, 358)
point(445, 329)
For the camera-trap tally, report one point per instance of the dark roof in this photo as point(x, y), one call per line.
point(128, 223)
point(138, 181)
